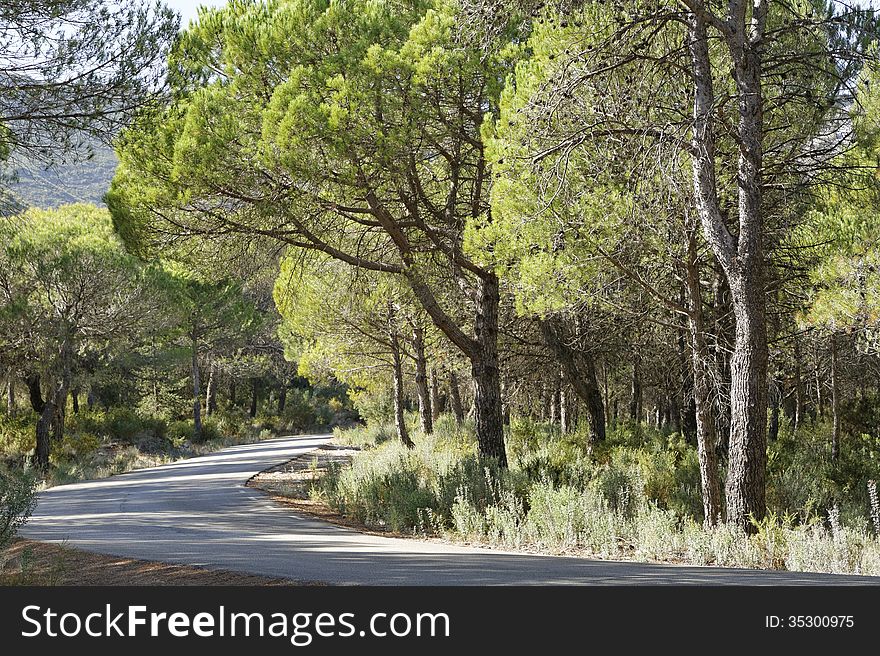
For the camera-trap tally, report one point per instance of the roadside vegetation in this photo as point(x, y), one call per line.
point(635, 496)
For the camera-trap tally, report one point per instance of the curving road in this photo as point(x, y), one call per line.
point(198, 512)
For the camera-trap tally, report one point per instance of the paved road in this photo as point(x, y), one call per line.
point(198, 512)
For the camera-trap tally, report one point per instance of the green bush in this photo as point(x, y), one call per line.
point(17, 501)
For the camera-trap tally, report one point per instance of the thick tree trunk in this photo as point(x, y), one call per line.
point(748, 409)
point(197, 391)
point(486, 374)
point(44, 424)
point(211, 393)
point(436, 405)
point(710, 480)
point(255, 397)
point(455, 398)
point(579, 371)
point(424, 393)
point(74, 397)
point(835, 400)
point(399, 416)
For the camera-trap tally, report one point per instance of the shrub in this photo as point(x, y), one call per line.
point(17, 501)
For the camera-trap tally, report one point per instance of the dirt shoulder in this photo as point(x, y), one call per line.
point(39, 563)
point(290, 483)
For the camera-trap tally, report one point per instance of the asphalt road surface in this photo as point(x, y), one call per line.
point(198, 512)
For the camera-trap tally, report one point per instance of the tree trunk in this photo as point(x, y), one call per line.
point(211, 394)
point(710, 481)
point(579, 371)
point(455, 398)
point(90, 399)
point(435, 396)
point(233, 389)
point(798, 386)
point(197, 392)
point(564, 411)
point(424, 393)
point(255, 400)
point(44, 424)
point(282, 398)
point(10, 393)
point(399, 416)
point(74, 396)
point(486, 374)
point(505, 402)
point(45, 411)
point(635, 393)
point(556, 402)
point(740, 256)
point(835, 408)
point(775, 394)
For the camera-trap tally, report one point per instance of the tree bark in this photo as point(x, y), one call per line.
point(74, 397)
point(436, 405)
point(579, 371)
point(455, 398)
point(564, 411)
point(197, 392)
point(774, 396)
point(211, 393)
point(635, 393)
point(835, 400)
point(426, 416)
point(710, 480)
point(44, 424)
point(399, 416)
point(486, 374)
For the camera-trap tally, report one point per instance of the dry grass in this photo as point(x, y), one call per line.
point(38, 563)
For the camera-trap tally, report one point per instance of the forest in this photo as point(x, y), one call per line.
point(587, 276)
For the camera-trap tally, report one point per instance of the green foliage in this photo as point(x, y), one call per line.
point(17, 501)
point(16, 435)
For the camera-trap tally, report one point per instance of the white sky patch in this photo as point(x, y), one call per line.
point(188, 9)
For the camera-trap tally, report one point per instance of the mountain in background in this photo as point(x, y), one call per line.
point(61, 184)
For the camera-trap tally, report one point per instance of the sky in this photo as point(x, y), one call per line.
point(188, 8)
